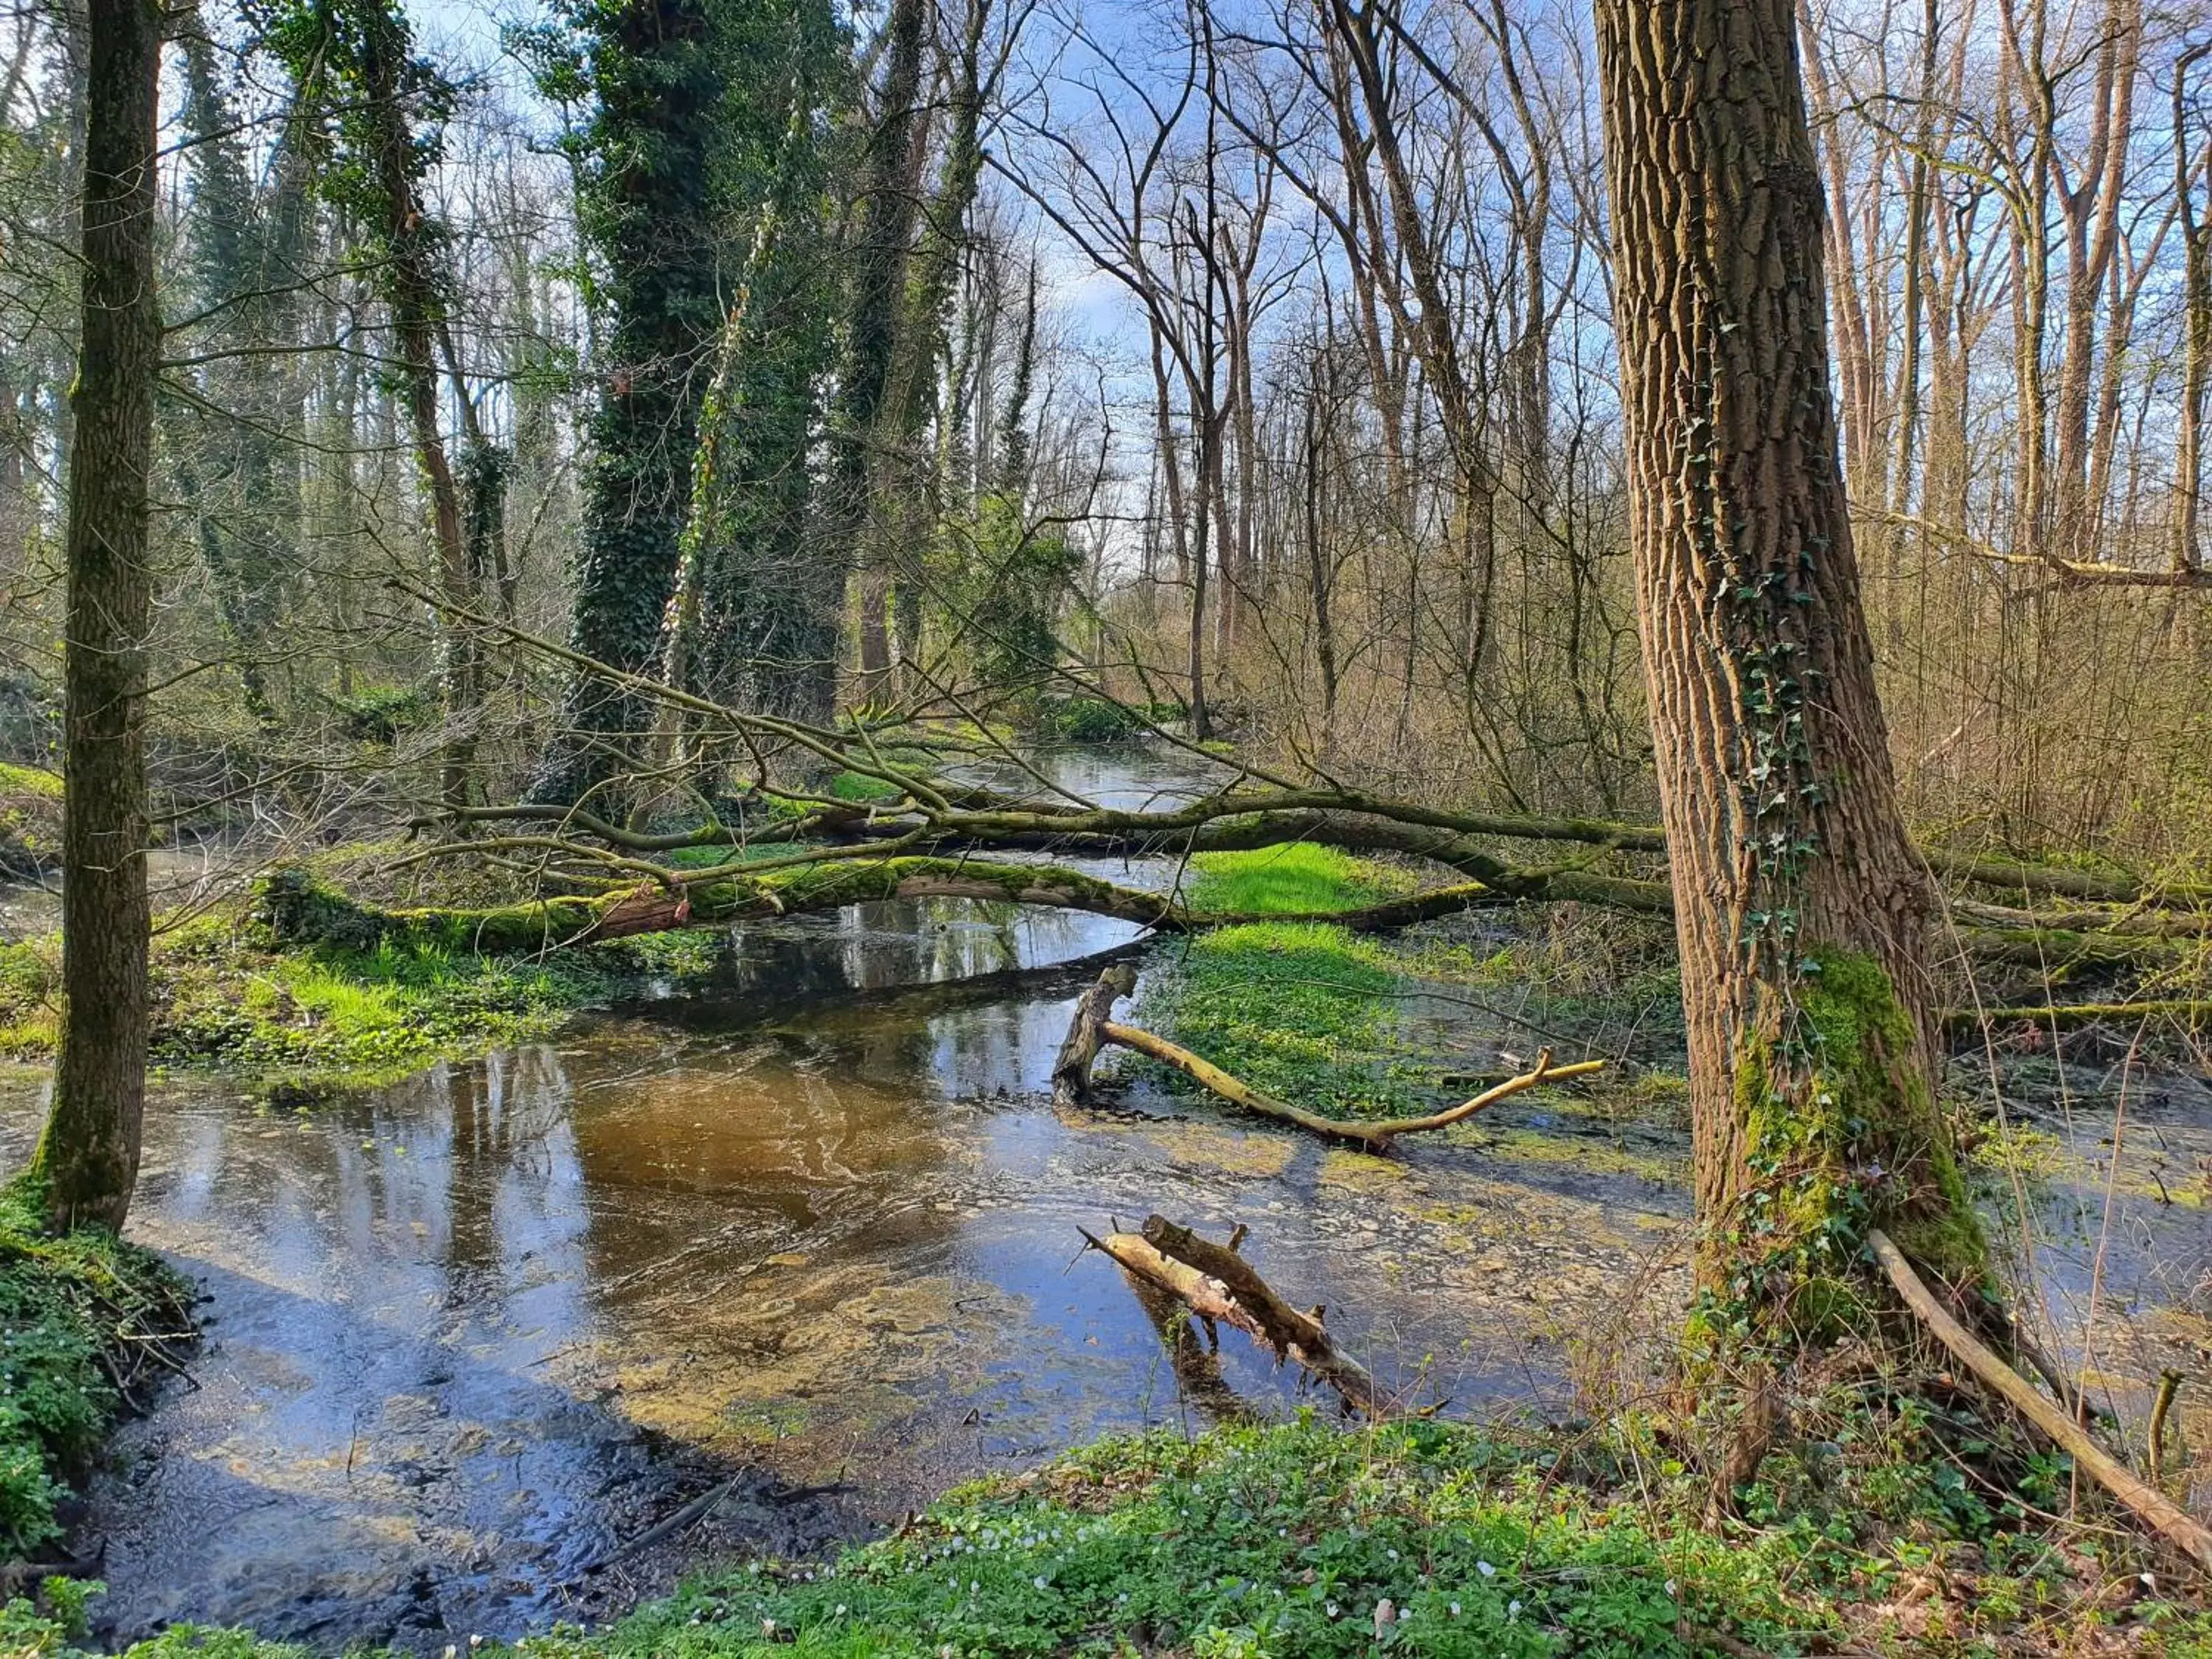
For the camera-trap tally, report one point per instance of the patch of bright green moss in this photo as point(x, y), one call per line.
point(1305, 1011)
point(1300, 879)
point(1857, 1141)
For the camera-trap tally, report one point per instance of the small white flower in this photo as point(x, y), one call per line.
point(973, 1586)
point(1331, 1609)
point(1486, 1570)
point(841, 1608)
point(1394, 1555)
point(1670, 1587)
point(1038, 1580)
point(1512, 1609)
point(1455, 1610)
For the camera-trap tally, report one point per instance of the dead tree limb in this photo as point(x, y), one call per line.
point(1299, 1337)
point(2150, 1505)
point(1092, 1027)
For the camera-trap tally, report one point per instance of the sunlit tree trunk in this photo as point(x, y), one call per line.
point(88, 1155)
point(1799, 905)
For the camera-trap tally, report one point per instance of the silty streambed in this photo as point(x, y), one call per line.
point(470, 1336)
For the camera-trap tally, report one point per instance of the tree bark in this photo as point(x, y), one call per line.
point(1799, 905)
point(88, 1155)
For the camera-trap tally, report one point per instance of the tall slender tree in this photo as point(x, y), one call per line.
point(1800, 906)
point(88, 1155)
point(372, 113)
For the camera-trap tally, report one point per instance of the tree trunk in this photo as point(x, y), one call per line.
point(1799, 905)
point(88, 1155)
point(649, 212)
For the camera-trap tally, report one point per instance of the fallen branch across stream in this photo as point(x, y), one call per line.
point(1218, 1286)
point(1092, 1029)
point(2151, 1505)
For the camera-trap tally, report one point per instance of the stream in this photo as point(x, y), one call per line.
point(811, 1237)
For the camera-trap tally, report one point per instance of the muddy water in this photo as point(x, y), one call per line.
point(472, 1336)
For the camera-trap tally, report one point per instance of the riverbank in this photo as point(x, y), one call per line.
point(1885, 1534)
point(309, 1018)
point(789, 1240)
point(89, 1325)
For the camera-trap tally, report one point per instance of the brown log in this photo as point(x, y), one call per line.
point(1211, 1299)
point(2151, 1505)
point(1195, 1359)
point(1284, 1329)
point(1071, 1073)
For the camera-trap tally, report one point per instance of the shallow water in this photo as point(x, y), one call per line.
point(817, 1236)
point(469, 1334)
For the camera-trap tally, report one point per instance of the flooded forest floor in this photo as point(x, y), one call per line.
point(783, 1240)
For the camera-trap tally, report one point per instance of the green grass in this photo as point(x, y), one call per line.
point(1304, 1011)
point(1283, 1543)
point(860, 788)
point(65, 1303)
point(328, 1014)
point(34, 781)
point(1297, 879)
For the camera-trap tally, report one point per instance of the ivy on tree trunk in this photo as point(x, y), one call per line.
point(1799, 905)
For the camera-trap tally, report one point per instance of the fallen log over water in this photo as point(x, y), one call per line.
point(1218, 1286)
point(925, 808)
point(296, 909)
point(1092, 1027)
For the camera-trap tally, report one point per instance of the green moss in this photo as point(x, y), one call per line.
point(1853, 1140)
point(859, 787)
point(311, 987)
point(70, 1306)
point(1300, 879)
point(1304, 1011)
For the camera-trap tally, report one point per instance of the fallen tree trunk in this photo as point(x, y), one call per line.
point(2073, 1016)
point(959, 809)
point(1247, 1304)
point(298, 909)
point(2151, 1505)
point(1091, 1028)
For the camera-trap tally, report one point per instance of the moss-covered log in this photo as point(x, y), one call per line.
point(295, 908)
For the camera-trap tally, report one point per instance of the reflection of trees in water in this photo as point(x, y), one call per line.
point(696, 1171)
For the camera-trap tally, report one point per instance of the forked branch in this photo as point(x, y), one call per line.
point(1091, 1028)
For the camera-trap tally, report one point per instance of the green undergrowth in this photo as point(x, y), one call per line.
point(1888, 1536)
point(328, 1013)
point(30, 820)
point(71, 1309)
point(1298, 879)
point(1308, 1011)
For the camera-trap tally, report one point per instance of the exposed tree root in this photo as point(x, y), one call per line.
point(2151, 1505)
point(1090, 1028)
point(1222, 1288)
